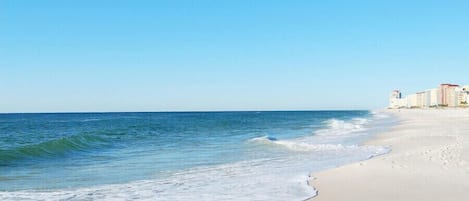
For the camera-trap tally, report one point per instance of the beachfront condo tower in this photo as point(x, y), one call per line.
point(447, 95)
point(394, 99)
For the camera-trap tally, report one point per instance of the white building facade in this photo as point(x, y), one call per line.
point(394, 99)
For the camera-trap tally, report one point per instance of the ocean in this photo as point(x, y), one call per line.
point(179, 155)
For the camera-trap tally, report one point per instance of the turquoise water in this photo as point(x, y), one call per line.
point(165, 156)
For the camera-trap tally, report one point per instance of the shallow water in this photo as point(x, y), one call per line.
point(177, 156)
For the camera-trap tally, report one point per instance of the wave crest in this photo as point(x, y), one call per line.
point(52, 148)
point(310, 147)
point(342, 127)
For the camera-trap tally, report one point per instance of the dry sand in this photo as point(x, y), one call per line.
point(429, 161)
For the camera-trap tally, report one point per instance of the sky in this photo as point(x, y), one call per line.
point(201, 55)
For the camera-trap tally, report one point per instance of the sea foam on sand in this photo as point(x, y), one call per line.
point(429, 161)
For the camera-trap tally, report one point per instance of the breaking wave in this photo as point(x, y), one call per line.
point(52, 148)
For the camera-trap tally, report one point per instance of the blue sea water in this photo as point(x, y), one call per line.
point(178, 155)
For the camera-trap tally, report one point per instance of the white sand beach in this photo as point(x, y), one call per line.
point(429, 161)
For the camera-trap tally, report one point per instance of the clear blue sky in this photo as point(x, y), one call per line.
point(88, 55)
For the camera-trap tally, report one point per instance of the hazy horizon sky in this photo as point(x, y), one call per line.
point(79, 56)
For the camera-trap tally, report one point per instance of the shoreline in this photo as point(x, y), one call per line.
point(429, 160)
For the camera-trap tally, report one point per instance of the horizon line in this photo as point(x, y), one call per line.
point(186, 111)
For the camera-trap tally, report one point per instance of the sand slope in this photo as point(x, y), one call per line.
point(429, 161)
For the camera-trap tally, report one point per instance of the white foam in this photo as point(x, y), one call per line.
point(267, 179)
point(380, 114)
point(276, 178)
point(342, 127)
point(252, 180)
point(300, 145)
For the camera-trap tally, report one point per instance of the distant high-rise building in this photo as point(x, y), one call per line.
point(412, 101)
point(433, 97)
point(394, 99)
point(447, 95)
point(463, 96)
point(420, 100)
